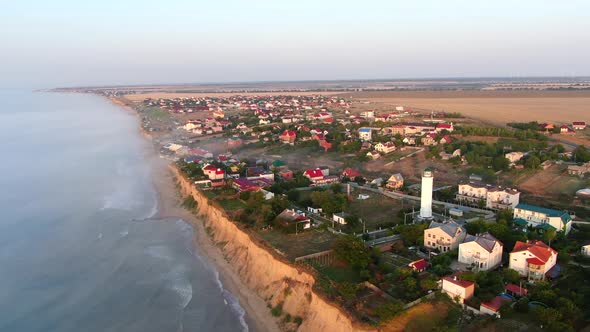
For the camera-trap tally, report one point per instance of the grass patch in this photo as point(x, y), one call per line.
point(158, 113)
point(231, 204)
point(340, 274)
point(277, 311)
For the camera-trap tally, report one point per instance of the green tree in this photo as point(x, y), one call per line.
point(352, 250)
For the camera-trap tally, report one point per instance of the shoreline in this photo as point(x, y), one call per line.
point(258, 317)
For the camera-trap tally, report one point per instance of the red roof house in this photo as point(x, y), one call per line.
point(288, 137)
point(350, 173)
point(419, 265)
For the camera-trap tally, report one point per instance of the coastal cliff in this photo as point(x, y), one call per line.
point(271, 278)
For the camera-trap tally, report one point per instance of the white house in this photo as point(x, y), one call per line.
point(495, 197)
point(340, 217)
point(458, 289)
point(444, 236)
point(586, 249)
point(385, 148)
point(532, 259)
point(365, 134)
point(483, 251)
point(543, 218)
point(513, 157)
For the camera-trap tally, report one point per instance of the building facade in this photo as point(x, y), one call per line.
point(532, 259)
point(483, 251)
point(444, 236)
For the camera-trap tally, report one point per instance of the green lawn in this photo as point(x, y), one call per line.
point(296, 245)
point(340, 273)
point(231, 204)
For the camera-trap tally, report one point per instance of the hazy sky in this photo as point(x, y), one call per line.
point(64, 43)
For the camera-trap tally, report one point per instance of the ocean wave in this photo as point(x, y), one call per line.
point(180, 284)
point(160, 252)
point(228, 298)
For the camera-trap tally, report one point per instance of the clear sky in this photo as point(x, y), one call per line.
point(65, 43)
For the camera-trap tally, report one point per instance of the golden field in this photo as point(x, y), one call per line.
point(495, 107)
point(172, 95)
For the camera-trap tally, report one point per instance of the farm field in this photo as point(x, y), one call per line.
point(494, 107)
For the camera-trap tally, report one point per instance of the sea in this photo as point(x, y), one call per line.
point(80, 247)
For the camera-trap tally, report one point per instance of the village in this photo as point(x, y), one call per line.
point(388, 207)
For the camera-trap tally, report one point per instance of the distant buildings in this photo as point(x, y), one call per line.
point(543, 218)
point(532, 259)
point(483, 251)
point(579, 170)
point(495, 197)
point(419, 265)
point(340, 217)
point(444, 236)
point(579, 125)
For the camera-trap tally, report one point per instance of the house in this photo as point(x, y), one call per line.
point(213, 172)
point(444, 126)
point(290, 217)
point(495, 197)
point(314, 210)
point(579, 125)
point(319, 177)
point(409, 140)
point(395, 181)
point(513, 157)
point(385, 148)
point(482, 251)
point(445, 140)
point(493, 307)
point(419, 265)
point(540, 217)
point(566, 130)
point(586, 249)
point(286, 174)
point(444, 236)
point(340, 217)
point(579, 170)
point(254, 184)
point(515, 290)
point(288, 137)
point(446, 156)
point(350, 173)
point(429, 140)
point(532, 259)
point(459, 290)
point(365, 134)
point(373, 155)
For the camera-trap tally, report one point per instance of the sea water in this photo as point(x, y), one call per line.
point(79, 250)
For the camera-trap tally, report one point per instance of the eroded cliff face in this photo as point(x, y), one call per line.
point(273, 279)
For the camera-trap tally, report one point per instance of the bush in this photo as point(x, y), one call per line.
point(388, 310)
point(277, 310)
point(298, 320)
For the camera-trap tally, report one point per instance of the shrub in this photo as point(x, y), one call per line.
point(277, 310)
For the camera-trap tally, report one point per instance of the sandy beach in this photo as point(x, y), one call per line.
point(259, 317)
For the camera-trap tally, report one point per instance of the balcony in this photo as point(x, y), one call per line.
point(443, 242)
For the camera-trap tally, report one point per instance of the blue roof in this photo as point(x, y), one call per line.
point(520, 222)
point(565, 217)
point(546, 227)
point(365, 130)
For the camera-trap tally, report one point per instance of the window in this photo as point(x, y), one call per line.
point(429, 235)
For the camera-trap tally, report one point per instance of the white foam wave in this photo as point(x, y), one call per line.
point(180, 284)
point(160, 252)
point(234, 303)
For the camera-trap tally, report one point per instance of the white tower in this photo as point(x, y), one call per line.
point(426, 195)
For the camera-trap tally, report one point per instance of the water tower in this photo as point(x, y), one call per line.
point(426, 195)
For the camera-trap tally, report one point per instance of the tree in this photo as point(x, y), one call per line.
point(511, 276)
point(500, 163)
point(352, 250)
point(549, 235)
point(532, 162)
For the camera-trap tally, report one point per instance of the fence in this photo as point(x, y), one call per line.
point(322, 258)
